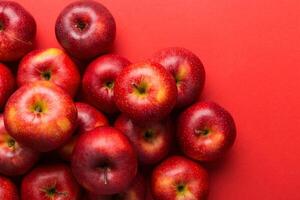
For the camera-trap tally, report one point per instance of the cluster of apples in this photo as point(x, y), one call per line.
point(102, 154)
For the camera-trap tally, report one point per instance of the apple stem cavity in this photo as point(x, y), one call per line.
point(141, 89)
point(80, 25)
point(46, 75)
point(199, 132)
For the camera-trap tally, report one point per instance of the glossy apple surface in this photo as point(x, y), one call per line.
point(85, 29)
point(179, 178)
point(88, 119)
point(7, 84)
point(99, 80)
point(52, 65)
point(188, 71)
point(104, 161)
point(40, 115)
point(206, 131)
point(51, 182)
point(17, 31)
point(145, 92)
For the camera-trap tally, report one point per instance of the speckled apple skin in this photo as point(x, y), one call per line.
point(179, 170)
point(8, 190)
point(98, 35)
point(14, 160)
point(136, 191)
point(104, 145)
point(41, 131)
point(64, 72)
point(206, 115)
point(160, 96)
point(18, 33)
point(187, 69)
point(7, 84)
point(88, 119)
point(103, 69)
point(45, 177)
point(149, 152)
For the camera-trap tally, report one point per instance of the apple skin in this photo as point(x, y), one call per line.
point(136, 191)
point(40, 115)
point(206, 131)
point(15, 159)
point(99, 79)
point(145, 92)
point(7, 84)
point(104, 161)
point(52, 65)
point(88, 119)
point(17, 31)
point(8, 190)
point(85, 29)
point(188, 71)
point(152, 142)
point(50, 182)
point(179, 178)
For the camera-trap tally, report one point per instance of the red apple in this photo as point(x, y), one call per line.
point(88, 119)
point(99, 79)
point(188, 71)
point(51, 182)
point(85, 29)
point(179, 178)
point(15, 158)
point(7, 83)
point(40, 115)
point(151, 141)
point(17, 31)
point(145, 92)
point(8, 190)
point(104, 161)
point(205, 131)
point(136, 191)
point(52, 65)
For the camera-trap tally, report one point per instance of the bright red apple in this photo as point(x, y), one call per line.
point(88, 119)
point(40, 115)
point(104, 161)
point(99, 79)
point(136, 191)
point(51, 182)
point(85, 29)
point(17, 31)
point(7, 83)
point(15, 158)
point(145, 92)
point(188, 71)
point(179, 178)
point(205, 131)
point(52, 65)
point(151, 141)
point(8, 190)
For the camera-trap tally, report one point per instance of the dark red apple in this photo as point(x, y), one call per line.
point(17, 31)
point(88, 119)
point(85, 29)
point(40, 115)
point(52, 65)
point(145, 92)
point(104, 161)
point(99, 79)
point(15, 158)
point(8, 190)
point(179, 178)
point(206, 131)
point(151, 141)
point(188, 71)
point(7, 83)
point(51, 182)
point(136, 191)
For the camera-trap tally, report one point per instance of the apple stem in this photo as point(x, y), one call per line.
point(199, 132)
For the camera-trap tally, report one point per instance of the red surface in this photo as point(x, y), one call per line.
point(251, 53)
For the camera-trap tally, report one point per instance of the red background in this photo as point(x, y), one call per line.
point(251, 52)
